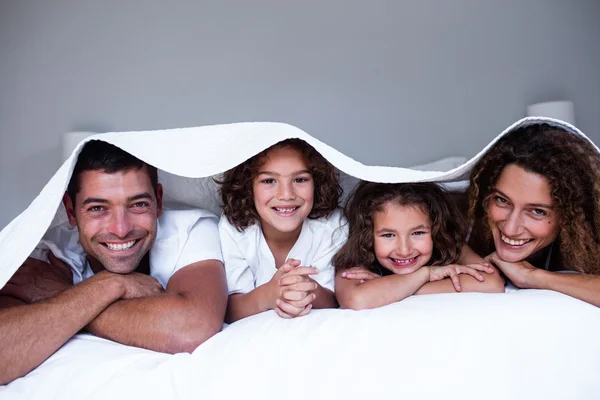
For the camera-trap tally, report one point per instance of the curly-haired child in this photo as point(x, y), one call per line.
point(280, 228)
point(405, 239)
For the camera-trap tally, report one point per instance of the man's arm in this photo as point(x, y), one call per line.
point(187, 314)
point(33, 332)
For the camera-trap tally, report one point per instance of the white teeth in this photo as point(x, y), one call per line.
point(285, 210)
point(512, 242)
point(404, 261)
point(120, 246)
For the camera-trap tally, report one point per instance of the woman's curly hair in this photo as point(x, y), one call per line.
point(448, 230)
point(571, 165)
point(236, 186)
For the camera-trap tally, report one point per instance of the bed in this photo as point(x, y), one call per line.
point(523, 344)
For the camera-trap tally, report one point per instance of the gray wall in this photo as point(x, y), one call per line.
point(386, 82)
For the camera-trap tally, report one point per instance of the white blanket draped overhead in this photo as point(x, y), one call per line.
point(527, 344)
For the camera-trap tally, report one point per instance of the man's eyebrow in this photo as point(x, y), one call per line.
point(140, 196)
point(94, 200)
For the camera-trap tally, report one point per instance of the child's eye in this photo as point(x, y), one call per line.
point(301, 179)
point(388, 235)
point(538, 212)
point(419, 233)
point(268, 180)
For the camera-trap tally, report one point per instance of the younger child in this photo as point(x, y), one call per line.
point(402, 237)
point(280, 228)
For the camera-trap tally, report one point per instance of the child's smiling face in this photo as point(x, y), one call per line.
point(283, 191)
point(402, 238)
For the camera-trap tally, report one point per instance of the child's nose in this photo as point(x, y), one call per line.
point(285, 191)
point(403, 248)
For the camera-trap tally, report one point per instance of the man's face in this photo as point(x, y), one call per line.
point(116, 215)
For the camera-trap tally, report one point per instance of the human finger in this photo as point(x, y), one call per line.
point(304, 301)
point(453, 275)
point(305, 311)
point(282, 314)
point(359, 275)
point(294, 295)
point(483, 267)
point(304, 286)
point(463, 269)
point(288, 308)
point(302, 271)
point(288, 280)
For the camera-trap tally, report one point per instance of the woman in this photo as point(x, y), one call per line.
point(534, 202)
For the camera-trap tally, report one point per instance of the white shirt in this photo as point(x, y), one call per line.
point(183, 237)
point(250, 263)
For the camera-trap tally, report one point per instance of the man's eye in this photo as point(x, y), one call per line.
point(96, 208)
point(141, 204)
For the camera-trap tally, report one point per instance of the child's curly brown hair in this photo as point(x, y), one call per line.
point(448, 230)
point(236, 186)
point(571, 165)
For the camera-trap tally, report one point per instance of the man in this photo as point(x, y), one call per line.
point(128, 272)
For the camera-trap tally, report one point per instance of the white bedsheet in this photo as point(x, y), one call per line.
point(518, 345)
point(524, 345)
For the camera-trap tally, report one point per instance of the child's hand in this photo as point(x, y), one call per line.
point(294, 289)
point(360, 273)
point(453, 270)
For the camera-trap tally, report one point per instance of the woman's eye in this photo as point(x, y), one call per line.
point(539, 212)
point(500, 200)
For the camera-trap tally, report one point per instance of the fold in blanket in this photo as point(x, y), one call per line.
point(188, 157)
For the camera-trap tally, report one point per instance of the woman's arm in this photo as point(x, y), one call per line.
point(584, 287)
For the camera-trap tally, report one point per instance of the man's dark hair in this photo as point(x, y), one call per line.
point(99, 155)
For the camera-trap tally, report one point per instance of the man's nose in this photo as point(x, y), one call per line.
point(120, 223)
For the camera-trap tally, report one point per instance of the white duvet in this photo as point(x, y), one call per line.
point(519, 345)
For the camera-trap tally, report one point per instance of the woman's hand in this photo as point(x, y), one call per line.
point(359, 273)
point(520, 273)
point(453, 270)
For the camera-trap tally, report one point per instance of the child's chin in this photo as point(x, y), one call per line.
point(407, 270)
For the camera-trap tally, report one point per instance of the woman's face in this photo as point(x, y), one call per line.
point(521, 214)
